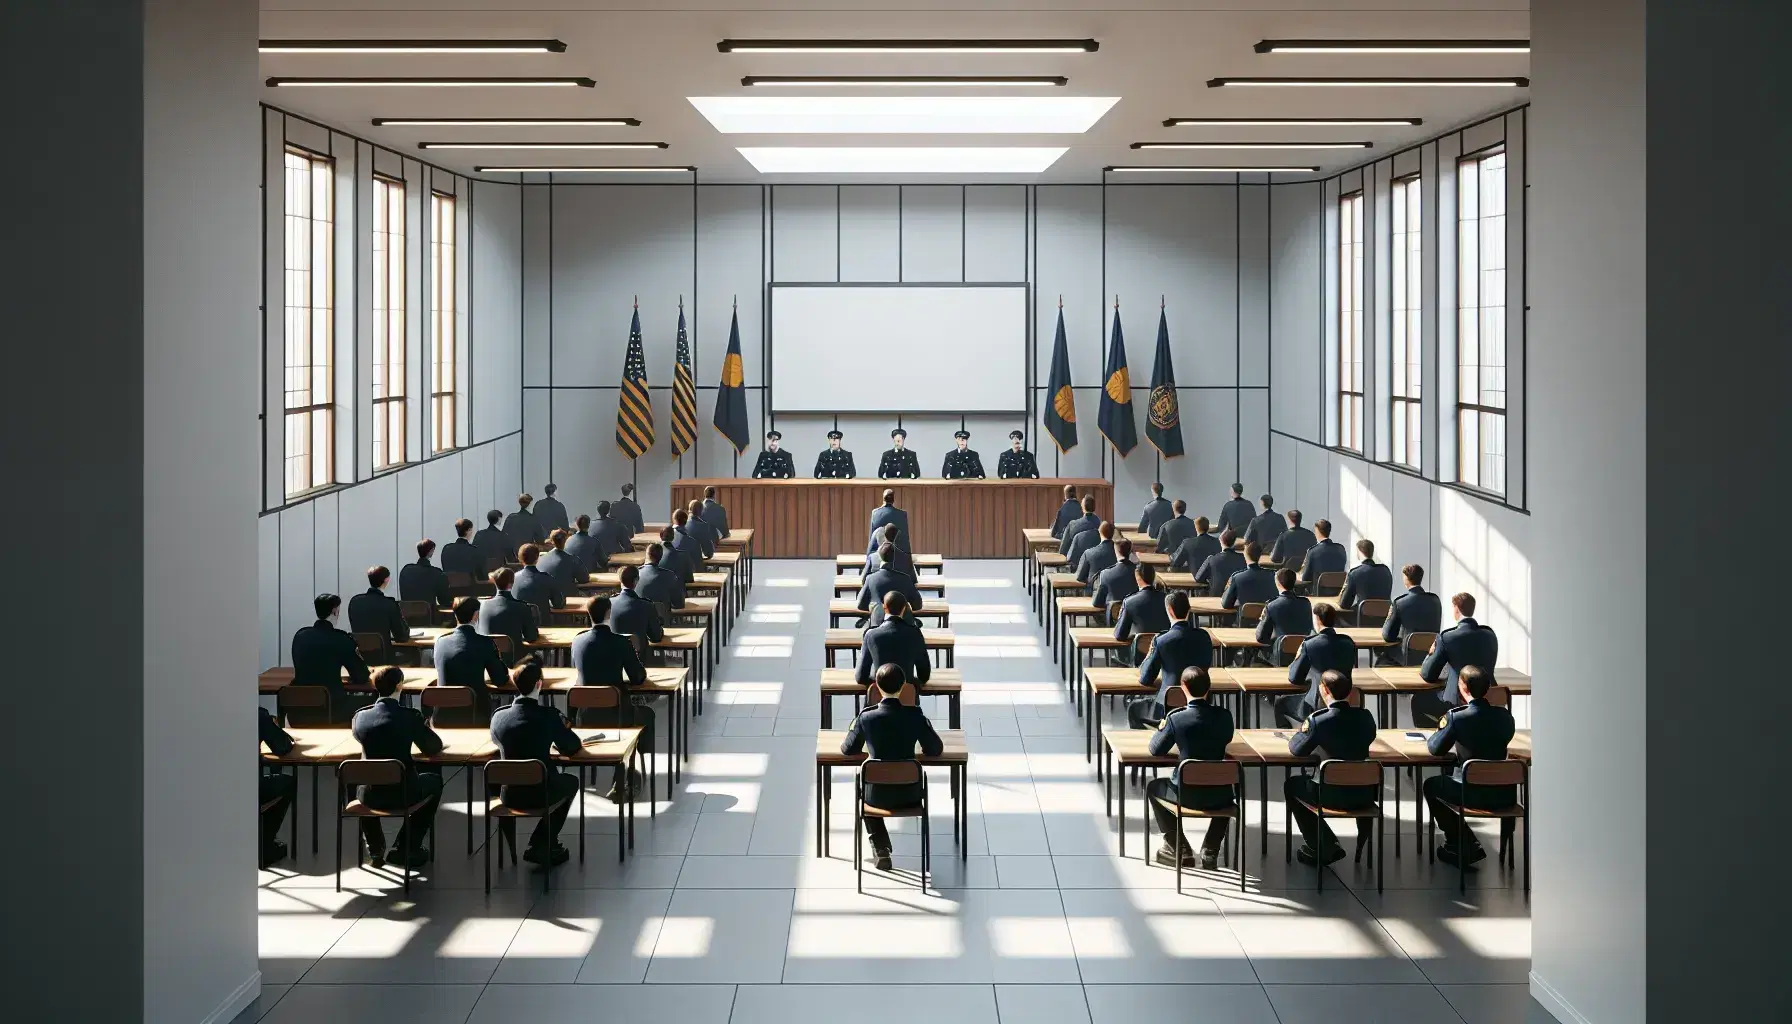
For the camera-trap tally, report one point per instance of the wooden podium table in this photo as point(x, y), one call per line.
point(955, 518)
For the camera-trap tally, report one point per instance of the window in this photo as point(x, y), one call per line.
point(444, 372)
point(1481, 322)
point(388, 323)
point(1408, 302)
point(1350, 322)
point(310, 323)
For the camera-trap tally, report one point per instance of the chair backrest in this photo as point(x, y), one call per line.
point(370, 643)
point(291, 697)
point(439, 696)
point(1289, 646)
point(1250, 613)
point(502, 643)
point(663, 610)
point(1373, 610)
point(1209, 773)
point(890, 773)
point(1499, 696)
point(417, 614)
point(1174, 698)
point(365, 772)
point(1355, 699)
point(593, 697)
point(1142, 643)
point(1113, 610)
point(1493, 773)
point(1420, 643)
point(514, 773)
point(1329, 583)
point(459, 584)
point(906, 695)
point(1350, 773)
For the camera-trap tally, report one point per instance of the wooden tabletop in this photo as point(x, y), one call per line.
point(1096, 638)
point(1244, 636)
point(925, 584)
point(1107, 680)
point(699, 581)
point(850, 639)
point(1078, 605)
point(1064, 581)
point(827, 749)
point(651, 535)
point(1404, 679)
point(1050, 559)
point(603, 746)
point(659, 680)
point(920, 561)
point(1261, 680)
point(327, 745)
point(1394, 748)
point(846, 606)
point(691, 606)
point(459, 746)
point(836, 681)
point(682, 638)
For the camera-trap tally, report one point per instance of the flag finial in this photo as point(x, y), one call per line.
point(1060, 300)
point(1160, 301)
point(737, 302)
point(1116, 300)
point(681, 303)
point(637, 302)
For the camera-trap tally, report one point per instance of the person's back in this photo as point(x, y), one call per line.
point(1416, 611)
point(1143, 612)
point(461, 555)
point(1183, 645)
point(550, 514)
point(1253, 584)
point(1370, 580)
point(887, 514)
point(1236, 513)
point(1116, 583)
point(1095, 557)
point(659, 582)
point(1333, 731)
point(586, 549)
point(1067, 513)
point(628, 512)
point(466, 657)
point(882, 582)
point(321, 654)
point(1195, 551)
point(537, 588)
point(604, 657)
point(388, 731)
point(685, 542)
point(893, 732)
point(899, 560)
point(1290, 549)
point(1286, 614)
point(680, 562)
point(1475, 730)
point(1199, 731)
point(493, 544)
point(529, 730)
point(1326, 650)
point(1326, 555)
point(714, 514)
point(1155, 514)
point(1175, 531)
point(613, 534)
point(371, 611)
point(1217, 570)
point(503, 614)
point(1267, 527)
point(895, 641)
point(422, 581)
point(1466, 643)
point(1077, 527)
point(1080, 545)
point(633, 614)
point(563, 567)
point(521, 527)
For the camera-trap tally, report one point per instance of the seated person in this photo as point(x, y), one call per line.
point(658, 580)
point(1236, 513)
point(895, 641)
point(373, 612)
point(627, 510)
point(679, 561)
point(1087, 521)
point(1200, 545)
point(550, 512)
point(606, 658)
point(466, 657)
point(502, 614)
point(529, 730)
point(1464, 644)
point(1156, 513)
point(387, 731)
point(687, 540)
point(1176, 530)
point(461, 555)
point(886, 579)
point(700, 528)
point(632, 614)
point(278, 791)
point(1143, 612)
point(1093, 552)
point(1267, 527)
point(1201, 731)
point(615, 535)
point(1476, 731)
point(1253, 584)
point(1289, 614)
point(1368, 581)
point(1327, 650)
point(586, 549)
point(1416, 611)
point(1182, 645)
point(1067, 512)
point(421, 581)
point(900, 560)
point(1326, 555)
point(321, 653)
point(1291, 548)
point(1116, 583)
point(1333, 731)
point(714, 514)
point(493, 544)
point(535, 587)
point(1217, 571)
point(561, 565)
point(521, 527)
point(893, 731)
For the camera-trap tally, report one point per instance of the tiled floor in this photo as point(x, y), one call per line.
point(724, 914)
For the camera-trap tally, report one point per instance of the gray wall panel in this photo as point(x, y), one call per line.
point(1253, 282)
point(611, 247)
point(537, 261)
point(805, 233)
point(367, 536)
point(407, 503)
point(933, 233)
point(1068, 252)
point(495, 371)
point(1178, 244)
point(730, 236)
point(995, 233)
point(298, 573)
point(870, 233)
point(1296, 344)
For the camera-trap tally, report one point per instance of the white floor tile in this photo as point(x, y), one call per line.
point(585, 935)
point(1208, 1004)
point(1146, 936)
point(1360, 1004)
point(1043, 1004)
point(895, 1004)
point(374, 1004)
point(603, 1004)
point(452, 937)
point(711, 936)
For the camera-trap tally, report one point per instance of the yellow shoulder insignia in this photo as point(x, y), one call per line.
point(1306, 725)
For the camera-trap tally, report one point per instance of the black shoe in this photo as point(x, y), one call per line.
point(376, 858)
point(1210, 860)
point(1333, 853)
point(881, 856)
point(418, 858)
point(273, 853)
point(1452, 856)
point(1168, 856)
point(535, 854)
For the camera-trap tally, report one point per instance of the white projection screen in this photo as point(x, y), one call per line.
point(899, 348)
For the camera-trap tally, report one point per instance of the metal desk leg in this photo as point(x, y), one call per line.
point(1122, 813)
point(636, 757)
point(313, 810)
point(469, 810)
point(1263, 806)
point(582, 785)
point(954, 711)
point(820, 813)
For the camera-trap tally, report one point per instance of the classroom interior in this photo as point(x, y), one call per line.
point(1496, 308)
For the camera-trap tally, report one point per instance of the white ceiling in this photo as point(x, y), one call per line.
point(1157, 55)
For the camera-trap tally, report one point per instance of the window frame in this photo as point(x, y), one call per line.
point(444, 271)
point(1476, 418)
point(1352, 296)
point(1406, 309)
point(315, 320)
point(390, 324)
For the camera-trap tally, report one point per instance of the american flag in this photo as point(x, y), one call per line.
point(684, 393)
point(634, 409)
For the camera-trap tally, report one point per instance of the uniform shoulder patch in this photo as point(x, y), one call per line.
point(1306, 725)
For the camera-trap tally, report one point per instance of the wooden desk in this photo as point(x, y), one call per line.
point(844, 585)
point(1068, 608)
point(1245, 638)
point(935, 562)
point(818, 518)
point(852, 639)
point(841, 608)
point(954, 754)
point(1086, 639)
point(842, 682)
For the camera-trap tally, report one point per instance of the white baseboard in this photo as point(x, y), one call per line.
point(236, 1002)
point(1553, 1001)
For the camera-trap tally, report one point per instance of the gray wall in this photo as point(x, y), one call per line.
point(590, 250)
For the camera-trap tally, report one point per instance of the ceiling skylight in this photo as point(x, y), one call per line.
point(901, 159)
point(911, 115)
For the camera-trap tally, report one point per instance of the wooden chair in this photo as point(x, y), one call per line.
point(1416, 646)
point(363, 772)
point(303, 699)
point(890, 773)
point(419, 614)
point(1206, 773)
point(1499, 696)
point(907, 696)
point(434, 698)
point(1495, 773)
point(1373, 611)
point(1250, 614)
point(1288, 648)
point(461, 584)
point(1113, 612)
point(1174, 699)
point(1329, 584)
point(506, 649)
point(513, 773)
point(1334, 772)
point(1141, 646)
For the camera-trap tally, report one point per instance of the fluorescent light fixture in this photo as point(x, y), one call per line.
point(1167, 169)
point(541, 145)
point(908, 46)
point(653, 169)
point(901, 159)
point(1252, 145)
point(506, 122)
point(909, 115)
point(412, 46)
point(1394, 46)
point(1289, 122)
point(1507, 82)
point(906, 81)
point(428, 83)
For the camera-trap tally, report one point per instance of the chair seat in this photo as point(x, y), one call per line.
point(268, 805)
point(496, 808)
point(1339, 812)
point(1228, 811)
point(893, 812)
point(1514, 811)
point(357, 809)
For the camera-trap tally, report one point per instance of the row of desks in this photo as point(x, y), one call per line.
point(1076, 606)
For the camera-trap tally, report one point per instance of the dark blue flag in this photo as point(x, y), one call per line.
point(1115, 418)
point(731, 396)
point(1163, 418)
point(1060, 414)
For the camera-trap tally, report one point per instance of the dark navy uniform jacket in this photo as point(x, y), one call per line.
point(502, 614)
point(466, 657)
point(835, 464)
point(1266, 529)
point(882, 581)
point(1095, 558)
point(894, 733)
point(614, 534)
point(1368, 581)
point(1237, 514)
point(521, 527)
point(1015, 465)
point(1217, 571)
point(684, 563)
point(627, 511)
point(884, 515)
point(1325, 556)
point(1477, 731)
point(1074, 527)
point(900, 560)
point(1155, 515)
point(963, 465)
point(1068, 513)
point(1326, 649)
point(273, 737)
point(1464, 644)
point(421, 581)
point(387, 730)
point(1194, 552)
point(689, 545)
point(701, 532)
point(901, 465)
point(895, 642)
point(462, 556)
point(1201, 731)
point(1286, 615)
point(1084, 542)
point(550, 514)
point(588, 551)
point(1416, 611)
point(496, 547)
point(528, 730)
point(660, 584)
point(566, 570)
point(1143, 612)
point(533, 586)
point(1116, 583)
point(1252, 584)
point(1173, 532)
point(715, 515)
point(1343, 733)
point(776, 465)
point(607, 658)
point(373, 612)
point(1182, 645)
point(320, 654)
point(1292, 546)
point(633, 614)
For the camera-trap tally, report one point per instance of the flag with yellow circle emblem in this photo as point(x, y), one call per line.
point(1115, 418)
point(731, 394)
point(1060, 414)
point(1163, 416)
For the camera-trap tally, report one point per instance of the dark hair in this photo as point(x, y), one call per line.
point(1294, 516)
point(1177, 605)
point(1105, 530)
point(889, 496)
point(709, 491)
point(895, 603)
point(890, 678)
point(425, 548)
point(628, 489)
point(680, 517)
point(629, 577)
point(549, 489)
point(1475, 680)
point(599, 610)
point(492, 517)
point(1146, 573)
point(1285, 579)
point(1069, 491)
point(693, 506)
point(1336, 683)
point(1464, 602)
point(1227, 537)
point(378, 575)
point(1327, 614)
point(1366, 547)
point(1123, 549)
point(523, 500)
point(655, 552)
point(324, 604)
point(891, 532)
point(386, 680)
point(1238, 489)
point(462, 527)
point(666, 534)
point(583, 523)
point(1414, 572)
point(1252, 552)
point(1268, 500)
point(557, 539)
point(526, 676)
point(1202, 524)
point(603, 509)
point(1089, 504)
point(1196, 681)
point(1179, 506)
point(528, 554)
point(1323, 527)
point(466, 609)
point(502, 577)
point(1157, 488)
point(885, 552)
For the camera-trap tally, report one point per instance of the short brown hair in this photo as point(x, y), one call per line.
point(523, 500)
point(1252, 552)
point(502, 577)
point(628, 577)
point(387, 680)
point(1123, 549)
point(1195, 682)
point(1323, 527)
point(886, 552)
point(1464, 602)
point(655, 552)
point(1336, 683)
point(1227, 537)
point(462, 527)
point(1413, 571)
point(1106, 530)
point(895, 603)
point(425, 548)
point(1146, 572)
point(526, 676)
point(378, 575)
point(599, 610)
point(680, 517)
point(1177, 605)
point(466, 609)
point(1326, 614)
point(583, 523)
point(891, 531)
point(1089, 504)
point(1366, 547)
point(666, 534)
point(890, 678)
point(1475, 680)
point(492, 517)
point(528, 554)
point(1285, 579)
point(1294, 516)
point(1201, 523)
point(709, 491)
point(557, 539)
point(1179, 506)
point(695, 505)
point(889, 495)
point(1069, 491)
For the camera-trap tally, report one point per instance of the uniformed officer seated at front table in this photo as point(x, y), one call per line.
point(895, 641)
point(1117, 582)
point(461, 555)
point(1416, 611)
point(604, 657)
point(835, 462)
point(586, 549)
point(549, 512)
point(696, 526)
point(1199, 731)
point(627, 511)
point(1327, 650)
point(962, 463)
point(633, 614)
point(713, 513)
point(521, 527)
point(1216, 571)
point(1093, 551)
point(1253, 584)
point(1017, 463)
point(1236, 513)
point(1156, 513)
point(1067, 512)
point(466, 657)
point(614, 534)
point(1473, 730)
point(529, 730)
point(537, 588)
point(1143, 612)
point(659, 580)
point(1087, 521)
point(899, 463)
point(1291, 547)
point(389, 731)
point(1326, 555)
point(887, 514)
point(503, 614)
point(557, 562)
point(901, 561)
point(278, 790)
point(1183, 645)
point(1466, 643)
point(894, 731)
point(1370, 580)
point(1288, 614)
point(1175, 531)
point(372, 611)
point(422, 581)
point(888, 578)
point(1268, 526)
point(1202, 543)
point(1334, 731)
point(493, 545)
point(774, 463)
point(321, 654)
